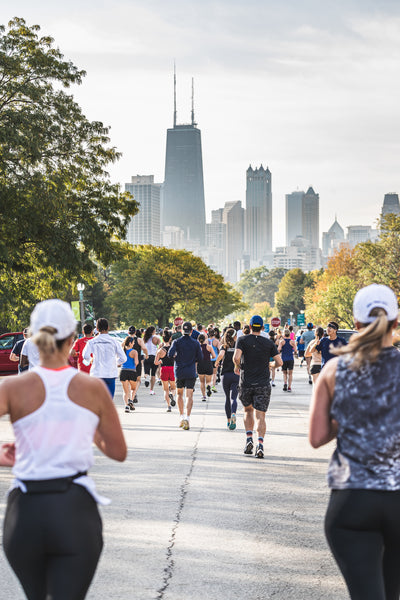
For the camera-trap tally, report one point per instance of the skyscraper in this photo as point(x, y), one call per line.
point(233, 217)
point(390, 205)
point(183, 197)
point(310, 217)
point(294, 218)
point(144, 228)
point(258, 213)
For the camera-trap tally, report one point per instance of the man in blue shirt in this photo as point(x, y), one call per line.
point(187, 353)
point(328, 342)
point(306, 338)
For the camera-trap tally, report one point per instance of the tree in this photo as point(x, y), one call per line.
point(333, 302)
point(59, 213)
point(157, 284)
point(290, 295)
point(260, 284)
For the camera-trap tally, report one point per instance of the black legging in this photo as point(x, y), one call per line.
point(53, 542)
point(363, 531)
point(230, 383)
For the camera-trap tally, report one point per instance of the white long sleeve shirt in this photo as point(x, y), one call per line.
point(107, 354)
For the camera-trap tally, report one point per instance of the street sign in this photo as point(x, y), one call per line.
point(75, 309)
point(266, 327)
point(275, 321)
point(178, 321)
point(301, 320)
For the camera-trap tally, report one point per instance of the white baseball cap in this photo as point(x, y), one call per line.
point(374, 296)
point(53, 313)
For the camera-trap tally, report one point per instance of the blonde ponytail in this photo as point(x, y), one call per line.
point(45, 340)
point(364, 347)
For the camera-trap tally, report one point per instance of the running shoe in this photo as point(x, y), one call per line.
point(159, 381)
point(228, 424)
point(146, 383)
point(169, 409)
point(285, 387)
point(232, 425)
point(204, 398)
point(310, 380)
point(259, 451)
point(273, 383)
point(289, 389)
point(214, 389)
point(127, 409)
point(218, 378)
point(248, 449)
point(152, 392)
point(131, 407)
point(181, 422)
point(172, 399)
point(185, 424)
point(209, 392)
point(135, 399)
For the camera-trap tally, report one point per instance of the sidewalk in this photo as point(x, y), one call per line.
point(192, 518)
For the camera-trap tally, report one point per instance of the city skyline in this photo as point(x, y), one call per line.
point(310, 90)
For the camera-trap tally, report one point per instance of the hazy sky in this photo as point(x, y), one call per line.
point(310, 88)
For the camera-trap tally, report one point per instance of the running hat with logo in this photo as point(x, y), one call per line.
point(131, 330)
point(256, 322)
point(187, 327)
point(56, 314)
point(310, 326)
point(374, 296)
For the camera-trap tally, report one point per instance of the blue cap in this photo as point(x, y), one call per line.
point(310, 325)
point(256, 322)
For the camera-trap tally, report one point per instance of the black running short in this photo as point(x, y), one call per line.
point(127, 375)
point(288, 365)
point(186, 383)
point(149, 367)
point(258, 397)
point(205, 367)
point(315, 369)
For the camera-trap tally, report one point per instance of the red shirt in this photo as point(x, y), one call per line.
point(78, 347)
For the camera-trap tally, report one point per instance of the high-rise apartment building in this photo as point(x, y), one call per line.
point(183, 194)
point(144, 228)
point(294, 216)
point(391, 205)
point(233, 217)
point(258, 213)
point(310, 217)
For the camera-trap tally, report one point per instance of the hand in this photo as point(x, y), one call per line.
point(7, 454)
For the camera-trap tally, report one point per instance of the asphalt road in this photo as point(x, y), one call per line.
point(193, 518)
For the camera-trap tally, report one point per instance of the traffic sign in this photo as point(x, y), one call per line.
point(178, 321)
point(301, 320)
point(266, 327)
point(275, 321)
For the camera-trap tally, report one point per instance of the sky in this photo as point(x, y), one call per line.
point(310, 89)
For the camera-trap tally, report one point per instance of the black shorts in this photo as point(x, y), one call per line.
point(186, 383)
point(149, 367)
point(288, 365)
point(139, 369)
point(205, 367)
point(127, 375)
point(315, 369)
point(258, 397)
point(301, 353)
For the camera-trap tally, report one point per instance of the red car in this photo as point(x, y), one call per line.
point(7, 341)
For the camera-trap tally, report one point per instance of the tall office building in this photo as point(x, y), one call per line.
point(233, 217)
point(332, 238)
point(183, 194)
point(390, 205)
point(258, 213)
point(294, 218)
point(310, 217)
point(144, 228)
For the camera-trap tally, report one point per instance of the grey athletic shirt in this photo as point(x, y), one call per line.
point(366, 404)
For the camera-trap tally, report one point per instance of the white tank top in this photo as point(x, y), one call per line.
point(56, 440)
point(151, 348)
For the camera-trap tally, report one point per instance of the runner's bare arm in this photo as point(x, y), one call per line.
point(323, 429)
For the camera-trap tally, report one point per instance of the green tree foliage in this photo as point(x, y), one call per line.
point(260, 284)
point(333, 302)
point(157, 284)
point(290, 295)
point(59, 213)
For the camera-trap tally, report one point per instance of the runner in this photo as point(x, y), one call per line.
point(213, 340)
point(272, 368)
point(167, 370)
point(127, 375)
point(287, 348)
point(106, 351)
point(187, 353)
point(52, 528)
point(205, 367)
point(314, 355)
point(300, 348)
point(357, 401)
point(251, 359)
point(230, 379)
point(151, 341)
point(141, 349)
point(326, 344)
point(306, 338)
point(79, 344)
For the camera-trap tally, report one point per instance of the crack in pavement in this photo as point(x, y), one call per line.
point(169, 569)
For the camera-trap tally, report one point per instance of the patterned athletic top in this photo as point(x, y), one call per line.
point(366, 404)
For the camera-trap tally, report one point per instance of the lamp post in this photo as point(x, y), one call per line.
point(81, 287)
point(291, 317)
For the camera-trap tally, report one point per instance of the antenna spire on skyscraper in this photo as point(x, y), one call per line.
point(174, 94)
point(193, 123)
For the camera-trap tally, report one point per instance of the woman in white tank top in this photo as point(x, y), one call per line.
point(52, 527)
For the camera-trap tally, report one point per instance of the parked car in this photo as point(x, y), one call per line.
point(7, 341)
point(346, 333)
